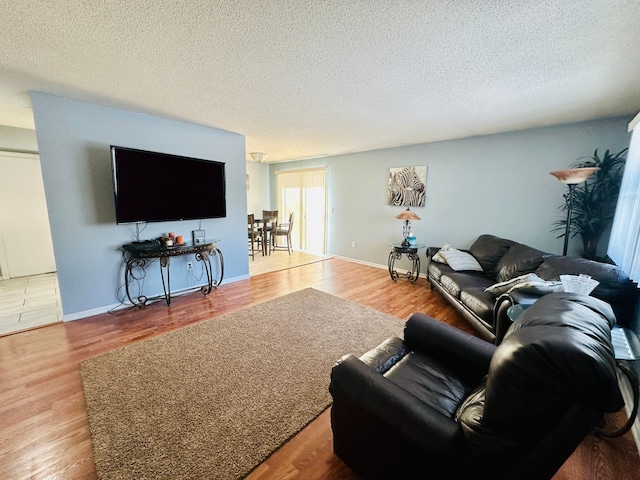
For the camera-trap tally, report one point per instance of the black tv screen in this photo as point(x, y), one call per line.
point(157, 187)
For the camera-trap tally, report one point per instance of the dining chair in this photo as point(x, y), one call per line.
point(283, 231)
point(269, 224)
point(254, 236)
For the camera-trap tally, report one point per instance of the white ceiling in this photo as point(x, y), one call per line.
point(304, 78)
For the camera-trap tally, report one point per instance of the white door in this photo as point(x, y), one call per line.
point(25, 237)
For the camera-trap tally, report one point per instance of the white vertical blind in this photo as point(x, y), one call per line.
point(303, 192)
point(624, 244)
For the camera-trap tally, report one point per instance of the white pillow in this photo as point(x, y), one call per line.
point(459, 260)
point(542, 287)
point(437, 257)
point(503, 287)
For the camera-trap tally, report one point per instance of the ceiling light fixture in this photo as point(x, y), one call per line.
point(258, 157)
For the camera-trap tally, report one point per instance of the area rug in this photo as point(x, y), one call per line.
point(215, 399)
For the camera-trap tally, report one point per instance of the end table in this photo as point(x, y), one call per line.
point(411, 251)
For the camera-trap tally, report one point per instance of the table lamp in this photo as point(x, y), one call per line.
point(406, 215)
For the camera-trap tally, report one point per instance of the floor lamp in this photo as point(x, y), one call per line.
point(572, 177)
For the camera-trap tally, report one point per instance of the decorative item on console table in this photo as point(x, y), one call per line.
point(198, 236)
point(138, 254)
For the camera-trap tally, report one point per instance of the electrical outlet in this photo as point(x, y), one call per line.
point(189, 266)
point(353, 244)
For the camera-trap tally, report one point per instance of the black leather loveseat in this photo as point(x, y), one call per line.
point(501, 261)
point(445, 404)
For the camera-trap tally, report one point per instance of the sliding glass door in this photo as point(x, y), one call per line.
point(303, 193)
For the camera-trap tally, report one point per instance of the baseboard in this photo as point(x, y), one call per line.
point(159, 297)
point(376, 265)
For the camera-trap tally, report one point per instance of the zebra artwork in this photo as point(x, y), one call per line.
point(407, 186)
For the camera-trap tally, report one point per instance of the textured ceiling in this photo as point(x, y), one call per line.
point(318, 77)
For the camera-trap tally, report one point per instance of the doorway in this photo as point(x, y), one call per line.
point(29, 293)
point(303, 193)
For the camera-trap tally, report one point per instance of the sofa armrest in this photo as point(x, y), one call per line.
point(466, 353)
point(501, 320)
point(431, 251)
point(358, 388)
point(385, 355)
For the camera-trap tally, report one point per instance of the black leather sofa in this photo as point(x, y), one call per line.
point(445, 404)
point(501, 260)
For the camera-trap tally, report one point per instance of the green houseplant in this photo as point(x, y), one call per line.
point(594, 201)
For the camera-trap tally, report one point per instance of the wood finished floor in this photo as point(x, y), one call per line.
point(43, 422)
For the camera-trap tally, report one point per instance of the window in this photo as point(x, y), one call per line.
point(303, 192)
point(624, 244)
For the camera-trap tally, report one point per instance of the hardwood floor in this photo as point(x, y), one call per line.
point(43, 422)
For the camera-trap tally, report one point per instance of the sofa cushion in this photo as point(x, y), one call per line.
point(614, 288)
point(479, 302)
point(432, 382)
point(519, 260)
point(484, 443)
point(450, 285)
point(489, 249)
point(455, 282)
point(606, 274)
point(436, 270)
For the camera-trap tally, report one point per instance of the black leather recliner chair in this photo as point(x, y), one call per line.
point(442, 403)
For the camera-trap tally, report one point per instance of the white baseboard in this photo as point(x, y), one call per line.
point(160, 297)
point(377, 265)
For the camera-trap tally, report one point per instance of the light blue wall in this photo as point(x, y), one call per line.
point(497, 184)
point(18, 139)
point(258, 193)
point(74, 139)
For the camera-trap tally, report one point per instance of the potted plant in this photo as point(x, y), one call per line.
point(594, 201)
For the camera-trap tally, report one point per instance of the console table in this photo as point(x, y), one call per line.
point(411, 251)
point(138, 254)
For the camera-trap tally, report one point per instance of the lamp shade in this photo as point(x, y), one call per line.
point(407, 215)
point(573, 176)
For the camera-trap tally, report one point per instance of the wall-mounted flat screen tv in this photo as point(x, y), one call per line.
point(158, 187)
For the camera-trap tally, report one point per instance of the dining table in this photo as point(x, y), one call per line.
point(266, 225)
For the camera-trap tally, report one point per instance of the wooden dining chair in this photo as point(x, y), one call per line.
point(269, 224)
point(283, 231)
point(254, 236)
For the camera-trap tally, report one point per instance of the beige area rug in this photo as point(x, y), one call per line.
point(214, 400)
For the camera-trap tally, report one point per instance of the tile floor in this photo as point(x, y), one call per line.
point(29, 302)
point(281, 261)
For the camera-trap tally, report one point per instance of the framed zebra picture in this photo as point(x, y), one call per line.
point(407, 186)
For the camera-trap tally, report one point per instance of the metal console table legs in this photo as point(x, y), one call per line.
point(411, 251)
point(139, 254)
